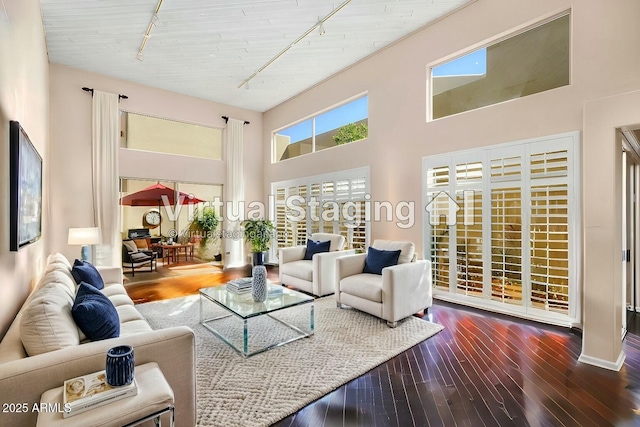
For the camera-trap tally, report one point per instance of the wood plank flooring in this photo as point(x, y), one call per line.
point(483, 369)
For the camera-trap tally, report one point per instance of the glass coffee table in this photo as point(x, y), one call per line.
point(253, 327)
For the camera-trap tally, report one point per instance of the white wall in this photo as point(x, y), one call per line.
point(71, 197)
point(604, 62)
point(24, 90)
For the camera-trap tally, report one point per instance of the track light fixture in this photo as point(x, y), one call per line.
point(154, 22)
point(321, 30)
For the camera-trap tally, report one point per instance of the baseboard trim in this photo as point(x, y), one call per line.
point(612, 366)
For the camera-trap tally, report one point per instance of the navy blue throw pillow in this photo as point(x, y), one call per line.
point(95, 314)
point(314, 247)
point(84, 271)
point(378, 259)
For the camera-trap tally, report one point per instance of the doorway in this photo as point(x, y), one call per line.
point(630, 226)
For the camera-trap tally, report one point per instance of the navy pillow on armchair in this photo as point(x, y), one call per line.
point(314, 247)
point(84, 271)
point(378, 259)
point(95, 314)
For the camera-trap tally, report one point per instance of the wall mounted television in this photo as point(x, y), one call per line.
point(25, 187)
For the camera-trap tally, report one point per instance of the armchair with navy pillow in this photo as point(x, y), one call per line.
point(311, 268)
point(386, 282)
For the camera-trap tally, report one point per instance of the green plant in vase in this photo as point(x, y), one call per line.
point(204, 225)
point(259, 234)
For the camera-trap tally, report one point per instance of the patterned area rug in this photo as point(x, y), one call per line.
point(262, 389)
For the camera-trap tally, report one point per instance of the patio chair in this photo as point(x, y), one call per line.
point(133, 258)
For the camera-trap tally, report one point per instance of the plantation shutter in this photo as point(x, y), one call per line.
point(437, 182)
point(332, 194)
point(469, 235)
point(516, 239)
point(549, 232)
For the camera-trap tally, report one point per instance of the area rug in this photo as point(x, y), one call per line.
point(263, 389)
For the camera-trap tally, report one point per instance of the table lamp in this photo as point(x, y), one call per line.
point(85, 237)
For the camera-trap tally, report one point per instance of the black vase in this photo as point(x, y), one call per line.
point(258, 258)
point(120, 366)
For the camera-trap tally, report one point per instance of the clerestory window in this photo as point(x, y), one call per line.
point(529, 62)
point(340, 125)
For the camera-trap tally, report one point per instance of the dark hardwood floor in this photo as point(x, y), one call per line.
point(483, 369)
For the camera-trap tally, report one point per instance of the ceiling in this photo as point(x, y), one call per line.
point(207, 48)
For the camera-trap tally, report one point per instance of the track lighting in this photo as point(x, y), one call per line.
point(154, 22)
point(321, 30)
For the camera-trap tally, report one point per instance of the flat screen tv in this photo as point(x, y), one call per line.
point(25, 187)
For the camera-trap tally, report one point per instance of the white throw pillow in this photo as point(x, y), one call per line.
point(46, 323)
point(131, 246)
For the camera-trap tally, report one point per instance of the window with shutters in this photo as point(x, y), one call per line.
point(332, 203)
point(513, 244)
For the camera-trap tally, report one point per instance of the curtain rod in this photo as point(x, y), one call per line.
point(88, 89)
point(226, 120)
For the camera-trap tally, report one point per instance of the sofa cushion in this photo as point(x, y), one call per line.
point(407, 249)
point(85, 272)
point(46, 323)
point(134, 327)
point(62, 277)
point(366, 286)
point(58, 258)
point(128, 313)
point(315, 247)
point(114, 289)
point(95, 314)
point(378, 259)
point(59, 267)
point(118, 300)
point(302, 269)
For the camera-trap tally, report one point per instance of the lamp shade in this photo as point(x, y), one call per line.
point(84, 236)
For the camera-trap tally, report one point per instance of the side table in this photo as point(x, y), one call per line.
point(154, 398)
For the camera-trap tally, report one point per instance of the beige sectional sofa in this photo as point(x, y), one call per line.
point(58, 350)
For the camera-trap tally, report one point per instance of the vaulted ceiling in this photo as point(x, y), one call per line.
point(209, 48)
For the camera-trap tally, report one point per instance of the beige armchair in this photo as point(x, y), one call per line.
point(401, 291)
point(318, 275)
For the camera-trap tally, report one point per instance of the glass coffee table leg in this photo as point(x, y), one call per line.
point(246, 338)
point(312, 322)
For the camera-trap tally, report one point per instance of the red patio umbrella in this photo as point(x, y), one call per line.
point(156, 195)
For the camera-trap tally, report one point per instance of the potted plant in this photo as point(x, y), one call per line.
point(258, 232)
point(204, 225)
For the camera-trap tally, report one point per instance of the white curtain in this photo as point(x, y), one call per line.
point(105, 177)
point(234, 195)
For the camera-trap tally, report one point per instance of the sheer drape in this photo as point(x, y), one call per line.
point(234, 195)
point(105, 176)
